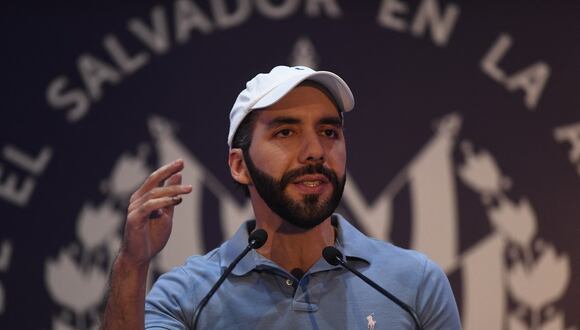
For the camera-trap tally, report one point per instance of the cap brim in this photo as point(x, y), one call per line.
point(335, 85)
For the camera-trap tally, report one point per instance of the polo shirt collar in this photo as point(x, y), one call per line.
point(351, 242)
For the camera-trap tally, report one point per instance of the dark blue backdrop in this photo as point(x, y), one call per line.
point(464, 142)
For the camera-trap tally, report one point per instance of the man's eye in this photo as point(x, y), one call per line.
point(331, 133)
point(284, 133)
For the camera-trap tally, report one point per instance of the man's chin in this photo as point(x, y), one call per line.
point(301, 225)
point(308, 199)
point(291, 227)
point(305, 216)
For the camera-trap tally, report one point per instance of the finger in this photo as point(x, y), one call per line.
point(175, 179)
point(145, 210)
point(155, 179)
point(159, 192)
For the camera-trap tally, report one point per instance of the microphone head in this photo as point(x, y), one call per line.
point(257, 238)
point(332, 255)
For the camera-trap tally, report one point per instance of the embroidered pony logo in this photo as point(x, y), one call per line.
point(371, 322)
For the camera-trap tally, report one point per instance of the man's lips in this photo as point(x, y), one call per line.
point(320, 178)
point(312, 183)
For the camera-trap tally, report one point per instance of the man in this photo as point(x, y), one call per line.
point(287, 148)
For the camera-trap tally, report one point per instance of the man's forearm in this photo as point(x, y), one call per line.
point(126, 300)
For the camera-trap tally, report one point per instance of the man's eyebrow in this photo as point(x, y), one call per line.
point(279, 121)
point(334, 121)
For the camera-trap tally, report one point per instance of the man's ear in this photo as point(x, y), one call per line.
point(238, 168)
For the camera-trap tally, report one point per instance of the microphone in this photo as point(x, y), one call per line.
point(255, 241)
point(334, 257)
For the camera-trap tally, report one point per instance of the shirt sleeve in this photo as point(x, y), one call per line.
point(436, 304)
point(169, 304)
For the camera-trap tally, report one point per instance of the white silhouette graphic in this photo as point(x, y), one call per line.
point(77, 278)
point(129, 172)
point(98, 225)
point(537, 285)
point(186, 238)
point(371, 323)
point(534, 276)
point(430, 177)
point(483, 267)
point(433, 196)
point(516, 222)
point(304, 54)
point(66, 280)
point(480, 172)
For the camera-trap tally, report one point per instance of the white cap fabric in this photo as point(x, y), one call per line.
point(266, 89)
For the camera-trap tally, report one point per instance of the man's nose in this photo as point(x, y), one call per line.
point(312, 150)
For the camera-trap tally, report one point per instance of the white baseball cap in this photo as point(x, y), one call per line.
point(266, 89)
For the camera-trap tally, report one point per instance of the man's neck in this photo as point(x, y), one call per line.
point(292, 248)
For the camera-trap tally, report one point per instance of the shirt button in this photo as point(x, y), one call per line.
point(289, 282)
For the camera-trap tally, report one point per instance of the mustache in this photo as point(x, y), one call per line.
point(292, 175)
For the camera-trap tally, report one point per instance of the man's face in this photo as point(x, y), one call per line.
point(297, 157)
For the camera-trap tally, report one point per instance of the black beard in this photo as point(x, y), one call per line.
point(306, 214)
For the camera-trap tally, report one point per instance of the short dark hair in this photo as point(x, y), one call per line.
point(243, 139)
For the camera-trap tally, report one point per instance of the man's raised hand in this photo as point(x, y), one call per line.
point(147, 230)
point(150, 214)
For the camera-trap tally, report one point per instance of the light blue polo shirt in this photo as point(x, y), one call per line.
point(259, 294)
